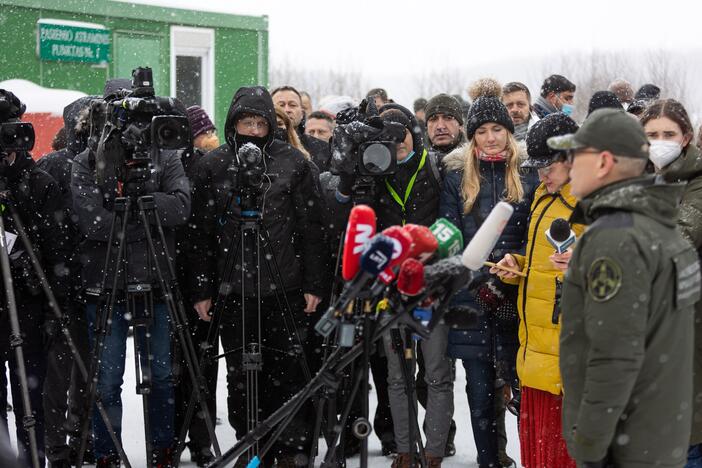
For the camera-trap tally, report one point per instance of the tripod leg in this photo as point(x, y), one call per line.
point(142, 322)
point(16, 343)
point(104, 312)
point(178, 319)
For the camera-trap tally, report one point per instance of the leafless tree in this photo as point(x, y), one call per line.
point(594, 71)
point(447, 80)
point(318, 83)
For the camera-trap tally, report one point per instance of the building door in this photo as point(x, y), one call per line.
point(192, 67)
point(134, 50)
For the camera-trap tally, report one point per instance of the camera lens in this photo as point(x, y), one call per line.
point(376, 158)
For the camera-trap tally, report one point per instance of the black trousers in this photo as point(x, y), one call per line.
point(65, 389)
point(199, 436)
point(281, 374)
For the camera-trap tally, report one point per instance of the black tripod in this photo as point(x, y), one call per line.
point(139, 300)
point(328, 374)
point(15, 338)
point(252, 237)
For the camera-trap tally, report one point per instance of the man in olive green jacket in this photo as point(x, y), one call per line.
point(628, 298)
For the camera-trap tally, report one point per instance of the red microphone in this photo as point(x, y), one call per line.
point(402, 243)
point(359, 229)
point(424, 244)
point(410, 280)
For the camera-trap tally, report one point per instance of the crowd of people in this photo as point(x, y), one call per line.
point(594, 346)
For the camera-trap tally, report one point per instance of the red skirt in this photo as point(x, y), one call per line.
point(540, 437)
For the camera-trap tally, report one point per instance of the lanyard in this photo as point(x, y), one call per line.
point(408, 190)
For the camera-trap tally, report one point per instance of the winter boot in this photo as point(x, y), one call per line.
point(433, 462)
point(109, 461)
point(403, 460)
point(201, 456)
point(162, 458)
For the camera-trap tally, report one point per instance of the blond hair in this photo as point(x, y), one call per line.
point(293, 139)
point(470, 183)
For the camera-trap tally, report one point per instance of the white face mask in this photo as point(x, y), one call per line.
point(664, 152)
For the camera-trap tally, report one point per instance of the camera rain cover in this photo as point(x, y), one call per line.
point(110, 155)
point(16, 136)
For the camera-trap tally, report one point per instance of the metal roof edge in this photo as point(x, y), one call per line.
point(143, 12)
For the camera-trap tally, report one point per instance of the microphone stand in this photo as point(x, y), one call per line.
point(337, 361)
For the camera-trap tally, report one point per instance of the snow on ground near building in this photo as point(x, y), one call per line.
point(39, 99)
point(133, 426)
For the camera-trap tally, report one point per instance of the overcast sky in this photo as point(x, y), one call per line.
point(394, 41)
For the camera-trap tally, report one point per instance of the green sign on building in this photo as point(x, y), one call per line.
point(72, 41)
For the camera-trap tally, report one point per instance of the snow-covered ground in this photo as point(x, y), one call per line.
point(133, 428)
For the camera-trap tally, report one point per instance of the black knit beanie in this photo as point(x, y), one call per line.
point(556, 124)
point(487, 109)
point(444, 104)
point(602, 99)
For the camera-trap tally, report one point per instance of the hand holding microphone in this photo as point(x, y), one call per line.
point(561, 237)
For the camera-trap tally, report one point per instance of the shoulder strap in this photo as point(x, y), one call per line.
point(435, 172)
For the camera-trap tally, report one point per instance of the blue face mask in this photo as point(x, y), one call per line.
point(567, 109)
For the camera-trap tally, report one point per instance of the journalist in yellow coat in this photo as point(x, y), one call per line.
point(537, 359)
point(539, 317)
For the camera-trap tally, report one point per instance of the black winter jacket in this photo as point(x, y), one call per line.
point(477, 342)
point(291, 203)
point(37, 199)
point(94, 206)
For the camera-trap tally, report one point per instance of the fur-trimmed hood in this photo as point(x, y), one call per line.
point(456, 159)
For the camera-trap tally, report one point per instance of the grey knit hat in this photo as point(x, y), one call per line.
point(444, 104)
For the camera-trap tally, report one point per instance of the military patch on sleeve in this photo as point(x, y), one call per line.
point(604, 279)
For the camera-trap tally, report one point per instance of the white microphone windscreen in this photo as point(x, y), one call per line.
point(483, 242)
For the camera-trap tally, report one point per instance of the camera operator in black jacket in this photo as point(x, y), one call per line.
point(36, 197)
point(290, 204)
point(95, 206)
point(409, 195)
point(64, 387)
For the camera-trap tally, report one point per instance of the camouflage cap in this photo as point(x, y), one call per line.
point(610, 130)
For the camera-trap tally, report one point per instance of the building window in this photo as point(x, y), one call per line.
point(192, 67)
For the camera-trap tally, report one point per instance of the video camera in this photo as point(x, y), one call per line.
point(138, 125)
point(247, 172)
point(370, 142)
point(14, 135)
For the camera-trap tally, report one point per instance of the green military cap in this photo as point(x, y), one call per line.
point(610, 130)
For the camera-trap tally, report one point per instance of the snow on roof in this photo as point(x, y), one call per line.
point(40, 99)
point(77, 24)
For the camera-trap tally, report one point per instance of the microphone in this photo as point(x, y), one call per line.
point(448, 236)
point(402, 243)
point(410, 280)
point(374, 260)
point(424, 244)
point(484, 240)
point(359, 230)
point(560, 235)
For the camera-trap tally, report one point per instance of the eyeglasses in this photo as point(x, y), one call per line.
point(253, 124)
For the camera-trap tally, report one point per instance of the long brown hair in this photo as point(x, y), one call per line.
point(470, 184)
point(293, 139)
point(671, 109)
